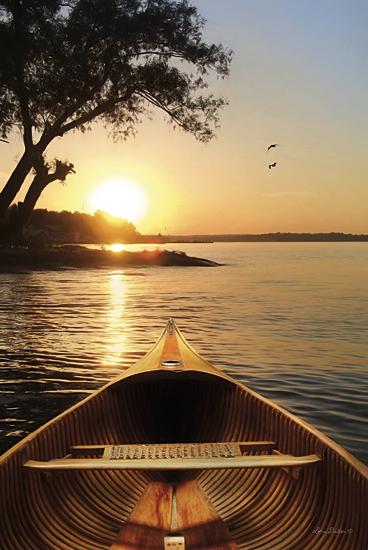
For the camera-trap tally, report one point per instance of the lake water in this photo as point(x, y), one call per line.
point(290, 320)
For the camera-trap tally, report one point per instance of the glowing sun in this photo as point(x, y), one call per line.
point(120, 198)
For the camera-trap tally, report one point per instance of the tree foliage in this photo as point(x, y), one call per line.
point(110, 60)
point(23, 38)
point(69, 64)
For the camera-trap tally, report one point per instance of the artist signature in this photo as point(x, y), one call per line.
point(332, 531)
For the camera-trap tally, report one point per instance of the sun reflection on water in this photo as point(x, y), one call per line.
point(116, 338)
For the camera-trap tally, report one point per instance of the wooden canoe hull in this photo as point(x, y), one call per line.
point(320, 507)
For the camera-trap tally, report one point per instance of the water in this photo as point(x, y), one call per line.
point(287, 319)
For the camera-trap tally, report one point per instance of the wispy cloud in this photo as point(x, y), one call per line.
point(286, 193)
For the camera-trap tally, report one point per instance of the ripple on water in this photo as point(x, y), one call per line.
point(288, 321)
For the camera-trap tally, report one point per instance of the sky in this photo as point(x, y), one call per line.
point(299, 78)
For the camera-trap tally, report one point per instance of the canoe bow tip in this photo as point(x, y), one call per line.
point(171, 326)
point(261, 509)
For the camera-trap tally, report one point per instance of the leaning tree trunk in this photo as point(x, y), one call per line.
point(26, 207)
point(15, 182)
point(41, 180)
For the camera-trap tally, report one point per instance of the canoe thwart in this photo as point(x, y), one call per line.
point(172, 450)
point(110, 472)
point(207, 463)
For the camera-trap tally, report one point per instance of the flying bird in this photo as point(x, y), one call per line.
point(273, 145)
point(272, 165)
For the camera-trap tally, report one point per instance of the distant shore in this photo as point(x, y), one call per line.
point(268, 238)
point(82, 257)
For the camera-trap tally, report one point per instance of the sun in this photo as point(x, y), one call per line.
point(120, 198)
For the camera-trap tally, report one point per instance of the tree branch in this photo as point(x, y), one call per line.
point(157, 103)
point(27, 121)
point(19, 76)
point(99, 110)
point(56, 126)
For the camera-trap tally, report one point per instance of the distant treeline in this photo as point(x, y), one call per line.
point(77, 227)
point(82, 228)
point(272, 237)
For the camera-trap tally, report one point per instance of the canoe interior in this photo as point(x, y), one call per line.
point(247, 508)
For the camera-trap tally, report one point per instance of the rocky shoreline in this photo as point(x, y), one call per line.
point(83, 257)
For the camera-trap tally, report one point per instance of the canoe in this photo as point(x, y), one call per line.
point(175, 454)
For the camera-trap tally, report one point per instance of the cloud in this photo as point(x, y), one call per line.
point(286, 193)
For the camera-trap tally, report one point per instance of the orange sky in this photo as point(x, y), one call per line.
point(299, 78)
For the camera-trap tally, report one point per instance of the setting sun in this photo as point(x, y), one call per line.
point(121, 198)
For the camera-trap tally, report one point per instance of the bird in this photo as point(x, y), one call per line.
point(272, 165)
point(273, 145)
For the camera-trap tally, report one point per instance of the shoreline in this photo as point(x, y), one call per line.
point(81, 257)
point(278, 237)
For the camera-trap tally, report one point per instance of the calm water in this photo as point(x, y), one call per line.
point(289, 320)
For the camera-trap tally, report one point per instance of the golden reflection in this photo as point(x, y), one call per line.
point(116, 338)
point(116, 247)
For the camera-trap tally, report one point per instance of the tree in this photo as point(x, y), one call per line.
point(44, 174)
point(68, 65)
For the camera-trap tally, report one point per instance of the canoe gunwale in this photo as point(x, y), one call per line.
point(139, 373)
point(262, 507)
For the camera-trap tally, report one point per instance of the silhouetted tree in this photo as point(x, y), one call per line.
point(65, 65)
point(44, 174)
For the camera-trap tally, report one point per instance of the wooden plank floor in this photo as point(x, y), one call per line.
point(199, 522)
point(150, 520)
point(153, 518)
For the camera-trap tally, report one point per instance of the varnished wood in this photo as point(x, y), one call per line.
point(149, 521)
point(176, 464)
point(198, 522)
point(171, 351)
point(261, 508)
point(195, 520)
point(243, 446)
